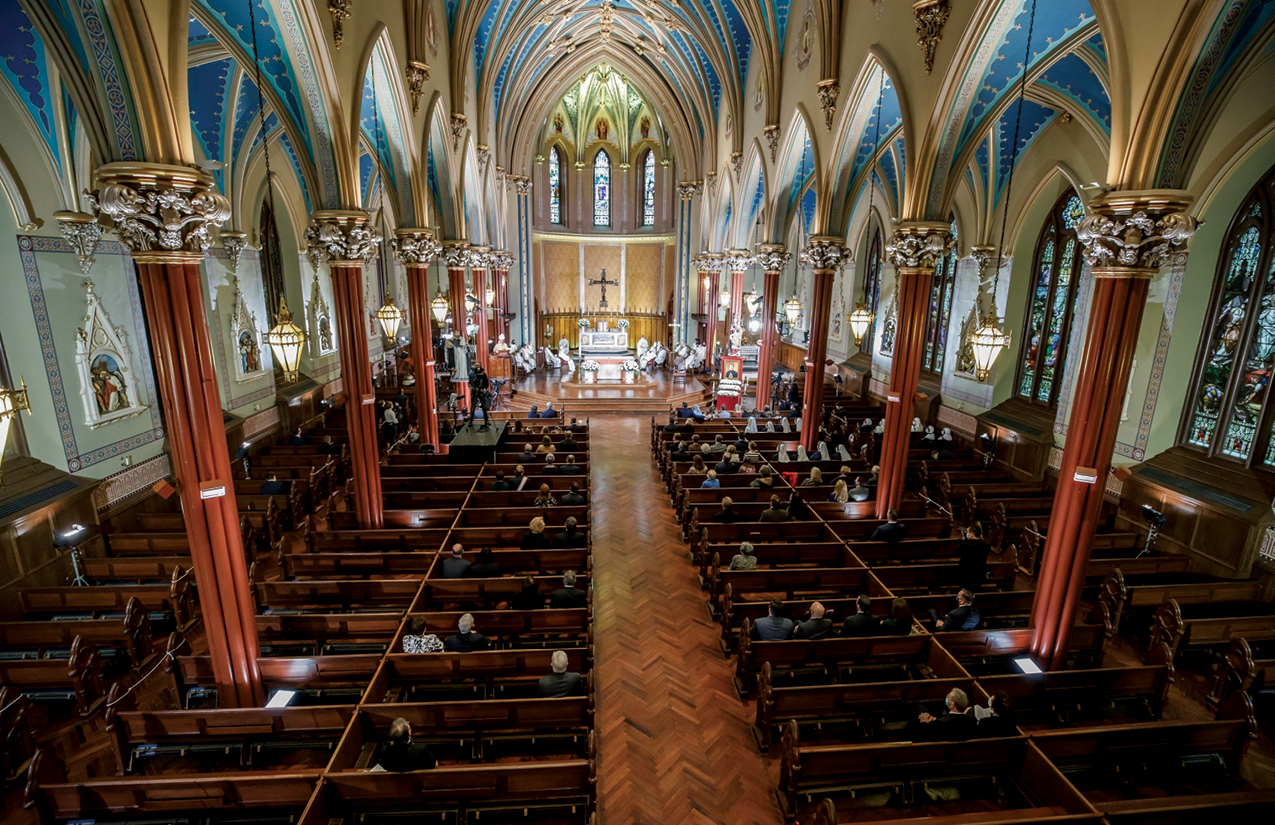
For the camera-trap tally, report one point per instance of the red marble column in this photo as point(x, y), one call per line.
point(479, 258)
point(342, 238)
point(455, 257)
point(773, 258)
point(914, 251)
point(415, 249)
point(1115, 316)
point(177, 327)
point(825, 256)
point(500, 273)
point(738, 261)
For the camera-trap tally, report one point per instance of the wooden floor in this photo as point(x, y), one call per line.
point(658, 385)
point(674, 742)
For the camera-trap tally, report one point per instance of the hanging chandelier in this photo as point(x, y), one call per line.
point(285, 339)
point(471, 302)
point(12, 401)
point(792, 310)
point(491, 296)
point(987, 342)
point(390, 316)
point(723, 300)
point(438, 306)
point(860, 320)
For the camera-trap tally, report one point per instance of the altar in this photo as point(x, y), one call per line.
point(604, 340)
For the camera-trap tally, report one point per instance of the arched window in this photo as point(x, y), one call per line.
point(940, 313)
point(555, 186)
point(872, 287)
point(271, 260)
point(1227, 413)
point(602, 189)
point(1055, 274)
point(648, 189)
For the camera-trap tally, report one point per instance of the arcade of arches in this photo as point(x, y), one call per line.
point(1008, 266)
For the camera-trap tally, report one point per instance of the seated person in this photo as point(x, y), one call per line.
point(297, 439)
point(529, 597)
point(535, 538)
point(684, 411)
point(519, 478)
point(815, 480)
point(418, 641)
point(744, 559)
point(997, 719)
point(765, 478)
point(753, 456)
point(727, 514)
point(466, 640)
point(272, 486)
point(718, 446)
point(570, 537)
point(544, 498)
point(534, 412)
point(956, 725)
point(328, 448)
point(577, 427)
point(551, 467)
point(862, 623)
point(400, 753)
point(500, 485)
point(840, 492)
point(573, 498)
point(971, 569)
point(961, 617)
point(570, 468)
point(457, 566)
point(711, 481)
point(486, 566)
point(816, 627)
point(560, 683)
point(775, 512)
point(527, 456)
point(568, 445)
point(892, 530)
point(546, 446)
point(859, 492)
point(942, 455)
point(774, 626)
point(698, 467)
point(549, 411)
point(568, 596)
point(899, 622)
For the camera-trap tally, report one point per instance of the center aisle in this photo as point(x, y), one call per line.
point(675, 745)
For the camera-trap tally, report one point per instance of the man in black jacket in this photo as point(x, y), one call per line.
point(568, 596)
point(568, 444)
point(560, 683)
point(466, 641)
point(573, 498)
point(816, 627)
point(457, 566)
point(892, 530)
point(569, 537)
point(862, 623)
point(958, 617)
point(400, 753)
point(957, 725)
point(971, 569)
point(527, 456)
point(727, 514)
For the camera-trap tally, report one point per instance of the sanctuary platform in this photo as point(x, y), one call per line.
point(653, 394)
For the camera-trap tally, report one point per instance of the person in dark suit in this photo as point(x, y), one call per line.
point(560, 683)
point(816, 627)
point(972, 553)
point(727, 514)
point(568, 596)
point(959, 617)
point(999, 718)
point(570, 468)
point(957, 725)
point(535, 538)
point(573, 498)
point(527, 456)
point(862, 623)
point(684, 411)
point(568, 445)
point(775, 512)
point(569, 537)
point(457, 566)
point(500, 485)
point(549, 411)
point(529, 597)
point(892, 530)
point(774, 626)
point(328, 448)
point(687, 427)
point(534, 412)
point(466, 641)
point(486, 566)
point(272, 486)
point(400, 753)
point(576, 427)
point(942, 455)
point(297, 439)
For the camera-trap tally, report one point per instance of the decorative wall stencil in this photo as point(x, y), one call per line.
point(117, 488)
point(249, 363)
point(104, 361)
point(322, 338)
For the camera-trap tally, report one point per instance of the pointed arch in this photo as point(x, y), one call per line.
point(438, 167)
point(473, 225)
point(798, 173)
point(602, 188)
point(753, 196)
point(383, 121)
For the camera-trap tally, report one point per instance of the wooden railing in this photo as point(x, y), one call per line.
point(790, 355)
point(565, 324)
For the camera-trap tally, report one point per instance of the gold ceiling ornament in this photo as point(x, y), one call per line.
point(158, 210)
point(460, 121)
point(234, 243)
point(828, 91)
point(772, 139)
point(736, 163)
point(687, 190)
point(340, 11)
point(918, 245)
point(710, 178)
point(417, 74)
point(484, 155)
point(931, 16)
point(82, 231)
point(522, 184)
point(12, 402)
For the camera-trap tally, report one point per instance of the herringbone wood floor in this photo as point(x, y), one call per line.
point(674, 744)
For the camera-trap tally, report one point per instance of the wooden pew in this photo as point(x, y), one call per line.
point(820, 654)
point(346, 594)
point(484, 592)
point(316, 676)
point(349, 632)
point(1210, 625)
point(131, 635)
point(1060, 697)
point(1144, 594)
point(488, 673)
point(77, 678)
point(176, 597)
point(547, 626)
point(998, 647)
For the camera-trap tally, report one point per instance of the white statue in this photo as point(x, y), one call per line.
point(460, 359)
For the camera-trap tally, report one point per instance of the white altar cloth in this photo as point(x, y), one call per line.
point(616, 340)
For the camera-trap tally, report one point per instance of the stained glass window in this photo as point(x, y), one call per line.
point(1228, 414)
point(1056, 274)
point(555, 186)
point(872, 288)
point(602, 189)
point(648, 189)
point(940, 310)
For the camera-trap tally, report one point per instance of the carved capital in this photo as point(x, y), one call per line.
point(1136, 230)
point(340, 11)
point(522, 184)
point(710, 180)
point(414, 247)
point(773, 257)
point(689, 189)
point(931, 16)
point(825, 254)
point(772, 139)
point(455, 254)
point(417, 75)
point(737, 260)
point(828, 91)
point(479, 257)
point(459, 122)
point(736, 163)
point(340, 235)
point(82, 231)
point(159, 210)
point(982, 255)
point(919, 245)
point(234, 244)
point(501, 260)
point(709, 262)
point(484, 155)
point(500, 178)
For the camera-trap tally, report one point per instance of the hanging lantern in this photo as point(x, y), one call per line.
point(491, 296)
point(723, 300)
point(285, 340)
point(987, 342)
point(390, 316)
point(471, 302)
point(754, 325)
point(12, 401)
point(792, 309)
point(750, 302)
point(860, 320)
point(439, 307)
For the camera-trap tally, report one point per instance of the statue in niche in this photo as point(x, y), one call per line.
point(889, 329)
point(965, 358)
point(558, 123)
point(325, 334)
point(110, 391)
point(103, 359)
point(646, 127)
point(603, 129)
point(246, 337)
point(249, 352)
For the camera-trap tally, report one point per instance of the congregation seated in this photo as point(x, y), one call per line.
point(818, 626)
point(961, 617)
point(711, 481)
point(972, 556)
point(859, 492)
point(573, 498)
point(765, 478)
point(297, 440)
point(893, 530)
point(528, 455)
point(698, 467)
point(456, 566)
point(485, 567)
point(529, 597)
point(955, 724)
point(862, 623)
point(727, 514)
point(570, 467)
point(560, 683)
point(577, 427)
point(569, 537)
point(815, 479)
point(568, 596)
point(899, 622)
point(546, 446)
point(744, 559)
point(568, 444)
point(418, 641)
point(500, 484)
point(272, 486)
point(774, 626)
point(544, 498)
point(400, 754)
point(775, 512)
point(466, 639)
point(535, 537)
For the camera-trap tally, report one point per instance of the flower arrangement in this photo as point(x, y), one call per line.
point(730, 388)
point(589, 366)
point(583, 323)
point(630, 366)
point(623, 323)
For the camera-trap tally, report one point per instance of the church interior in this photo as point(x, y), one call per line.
point(594, 412)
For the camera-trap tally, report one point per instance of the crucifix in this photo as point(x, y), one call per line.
point(603, 282)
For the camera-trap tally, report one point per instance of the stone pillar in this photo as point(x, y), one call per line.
point(455, 257)
point(346, 241)
point(166, 216)
point(773, 259)
point(687, 191)
point(479, 259)
point(415, 249)
point(825, 255)
point(1126, 237)
point(500, 263)
point(915, 250)
point(738, 261)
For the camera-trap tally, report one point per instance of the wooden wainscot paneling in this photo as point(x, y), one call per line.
point(856, 374)
point(790, 356)
point(1024, 436)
